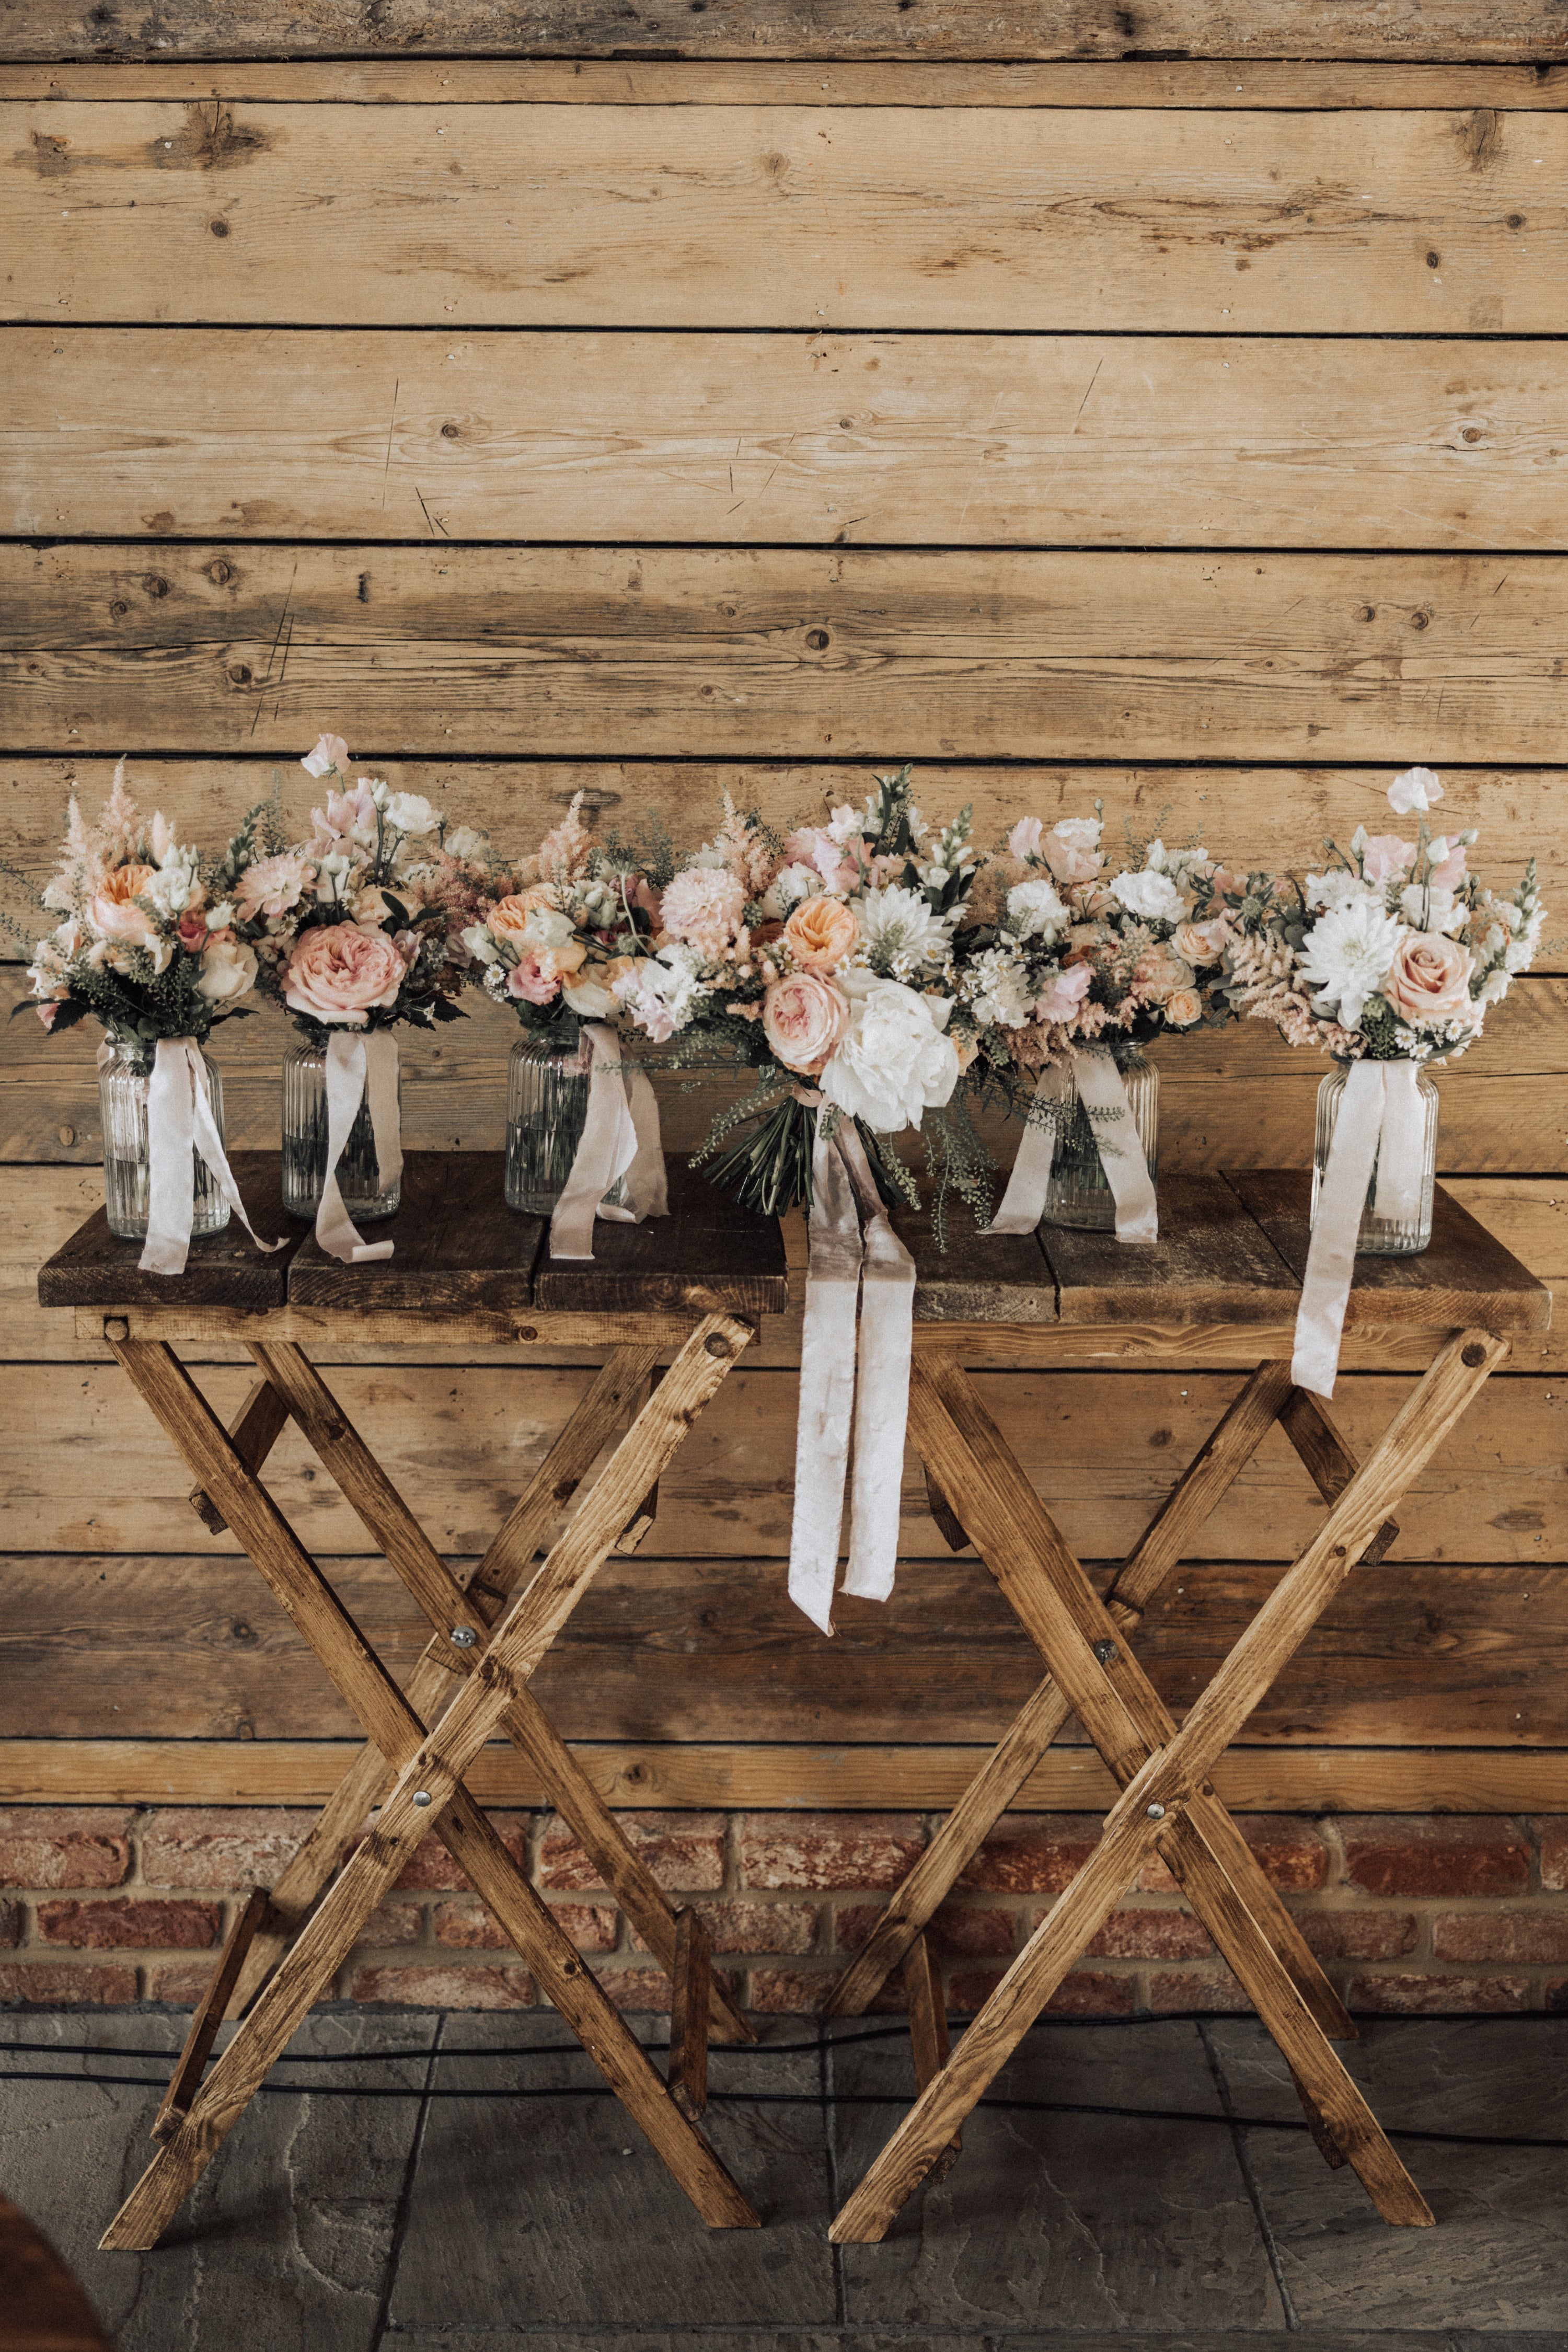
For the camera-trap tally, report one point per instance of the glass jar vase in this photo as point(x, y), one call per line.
point(546, 1111)
point(1380, 1236)
point(1078, 1192)
point(122, 1085)
point(365, 1197)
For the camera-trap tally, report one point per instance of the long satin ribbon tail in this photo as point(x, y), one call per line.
point(358, 1065)
point(1101, 1088)
point(826, 1384)
point(1401, 1149)
point(882, 1385)
point(1024, 1202)
point(620, 1137)
point(1330, 1256)
point(179, 1124)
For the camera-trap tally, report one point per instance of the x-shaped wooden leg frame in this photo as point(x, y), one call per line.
point(1167, 1801)
point(415, 1763)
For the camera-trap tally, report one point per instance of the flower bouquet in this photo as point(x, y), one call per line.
point(148, 946)
point(1388, 961)
point(553, 944)
point(354, 932)
point(821, 963)
point(1064, 971)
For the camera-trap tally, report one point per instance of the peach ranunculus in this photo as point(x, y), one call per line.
point(113, 912)
point(804, 1019)
point(1183, 1007)
point(820, 933)
point(508, 918)
point(338, 974)
point(1201, 943)
point(1430, 980)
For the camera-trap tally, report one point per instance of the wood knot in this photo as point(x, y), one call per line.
point(817, 639)
point(717, 1345)
point(525, 1331)
point(1475, 1355)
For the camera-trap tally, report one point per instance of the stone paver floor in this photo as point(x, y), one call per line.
point(457, 2194)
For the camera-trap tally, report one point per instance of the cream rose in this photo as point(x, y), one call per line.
point(1201, 943)
point(820, 933)
point(112, 911)
point(1183, 1007)
point(338, 974)
point(1430, 980)
point(229, 970)
point(804, 1018)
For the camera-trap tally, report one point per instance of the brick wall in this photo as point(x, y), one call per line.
point(114, 1904)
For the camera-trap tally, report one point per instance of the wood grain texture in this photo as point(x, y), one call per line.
point(710, 1256)
point(1136, 441)
point(94, 1267)
point(775, 216)
point(1463, 29)
point(1209, 1265)
point(456, 1245)
point(852, 655)
point(1236, 86)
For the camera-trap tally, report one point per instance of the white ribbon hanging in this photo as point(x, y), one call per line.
point(871, 1271)
point(1099, 1085)
point(620, 1137)
point(360, 1066)
point(1380, 1119)
point(180, 1123)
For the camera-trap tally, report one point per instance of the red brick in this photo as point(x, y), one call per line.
point(180, 1983)
point(1211, 1989)
point(1146, 1934)
point(224, 1849)
point(430, 1869)
point(57, 1987)
point(10, 1924)
point(755, 1926)
point(1033, 1853)
point(1088, 1992)
point(1553, 1832)
point(1435, 1996)
point(1358, 1935)
point(830, 1852)
point(469, 1928)
point(1398, 1854)
point(65, 1846)
point(685, 1852)
point(634, 1989)
point(122, 1924)
point(1508, 1935)
point(1292, 1853)
point(392, 1924)
point(438, 1988)
point(957, 1932)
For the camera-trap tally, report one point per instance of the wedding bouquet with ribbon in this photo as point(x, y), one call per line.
point(356, 931)
point(1389, 961)
point(149, 947)
point(1065, 957)
point(553, 943)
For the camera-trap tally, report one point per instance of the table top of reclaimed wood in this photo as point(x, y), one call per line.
point(1231, 1253)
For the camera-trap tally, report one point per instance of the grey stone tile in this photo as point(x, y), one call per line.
point(286, 2242)
point(1498, 2261)
point(554, 2210)
point(1061, 2220)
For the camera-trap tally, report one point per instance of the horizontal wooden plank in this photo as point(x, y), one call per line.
point(784, 216)
point(83, 1469)
point(97, 1647)
point(908, 1778)
point(860, 440)
point(1291, 83)
point(809, 653)
point(766, 29)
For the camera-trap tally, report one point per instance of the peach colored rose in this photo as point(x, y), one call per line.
point(1158, 972)
point(508, 918)
point(337, 973)
point(113, 912)
point(1430, 980)
point(804, 1018)
point(1201, 943)
point(1183, 1007)
point(820, 933)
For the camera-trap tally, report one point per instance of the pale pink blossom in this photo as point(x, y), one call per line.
point(528, 979)
point(1066, 993)
point(330, 752)
point(813, 845)
point(1071, 857)
point(272, 885)
point(704, 907)
point(337, 973)
point(1449, 864)
point(344, 814)
point(1385, 855)
point(804, 1018)
point(1025, 839)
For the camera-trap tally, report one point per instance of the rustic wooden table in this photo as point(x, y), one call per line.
point(1226, 1270)
point(674, 1304)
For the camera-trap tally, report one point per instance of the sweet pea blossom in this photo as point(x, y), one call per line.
point(1418, 788)
point(330, 752)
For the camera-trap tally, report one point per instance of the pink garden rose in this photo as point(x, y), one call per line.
point(338, 974)
point(804, 1018)
point(1066, 993)
point(113, 912)
point(1430, 980)
point(1385, 855)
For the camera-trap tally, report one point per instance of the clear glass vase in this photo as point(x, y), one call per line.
point(1079, 1192)
point(546, 1111)
point(365, 1197)
point(1380, 1236)
point(122, 1105)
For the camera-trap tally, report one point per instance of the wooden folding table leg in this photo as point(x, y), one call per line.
point(210, 2013)
point(929, 2040)
point(255, 1431)
point(691, 1993)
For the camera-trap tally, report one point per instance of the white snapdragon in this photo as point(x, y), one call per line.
point(1346, 956)
point(894, 1063)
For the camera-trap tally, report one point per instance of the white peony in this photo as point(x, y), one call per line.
point(1152, 896)
point(1418, 788)
point(1346, 956)
point(1034, 907)
point(411, 813)
point(229, 970)
point(998, 990)
point(899, 931)
point(894, 1063)
point(467, 843)
point(786, 890)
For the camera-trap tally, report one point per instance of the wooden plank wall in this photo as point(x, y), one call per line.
point(1167, 402)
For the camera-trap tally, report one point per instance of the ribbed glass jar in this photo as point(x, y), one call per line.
point(1079, 1192)
point(122, 1105)
point(1380, 1236)
point(546, 1111)
point(365, 1197)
